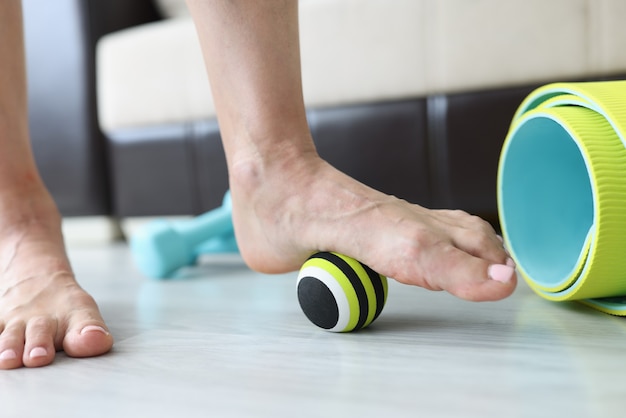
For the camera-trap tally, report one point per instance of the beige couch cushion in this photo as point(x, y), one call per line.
point(356, 51)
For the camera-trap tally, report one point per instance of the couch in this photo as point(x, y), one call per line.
point(413, 97)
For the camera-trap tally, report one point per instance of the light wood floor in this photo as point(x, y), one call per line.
point(225, 342)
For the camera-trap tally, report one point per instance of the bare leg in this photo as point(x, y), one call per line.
point(288, 202)
point(42, 308)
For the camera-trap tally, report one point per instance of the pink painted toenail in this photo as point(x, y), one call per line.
point(38, 352)
point(8, 355)
point(500, 273)
point(90, 328)
point(510, 262)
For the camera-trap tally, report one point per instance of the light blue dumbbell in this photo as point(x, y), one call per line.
point(161, 247)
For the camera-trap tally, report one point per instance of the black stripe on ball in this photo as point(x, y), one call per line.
point(379, 289)
point(318, 302)
point(355, 281)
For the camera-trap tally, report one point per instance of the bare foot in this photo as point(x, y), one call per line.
point(285, 211)
point(42, 308)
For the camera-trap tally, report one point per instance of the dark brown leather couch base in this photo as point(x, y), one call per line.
point(181, 169)
point(439, 152)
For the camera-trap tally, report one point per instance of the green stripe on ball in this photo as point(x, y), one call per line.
point(340, 294)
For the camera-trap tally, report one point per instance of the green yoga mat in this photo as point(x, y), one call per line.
point(562, 193)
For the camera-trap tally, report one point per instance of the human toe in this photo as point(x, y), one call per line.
point(39, 347)
point(11, 346)
point(478, 238)
point(87, 339)
point(473, 278)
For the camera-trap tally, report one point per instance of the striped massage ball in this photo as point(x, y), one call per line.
point(340, 294)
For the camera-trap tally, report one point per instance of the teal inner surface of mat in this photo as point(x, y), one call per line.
point(547, 202)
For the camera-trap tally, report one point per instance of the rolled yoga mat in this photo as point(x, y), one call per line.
point(562, 193)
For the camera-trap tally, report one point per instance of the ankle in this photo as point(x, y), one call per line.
point(254, 173)
point(27, 205)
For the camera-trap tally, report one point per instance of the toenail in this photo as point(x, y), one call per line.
point(38, 352)
point(8, 355)
point(90, 328)
point(510, 262)
point(500, 273)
